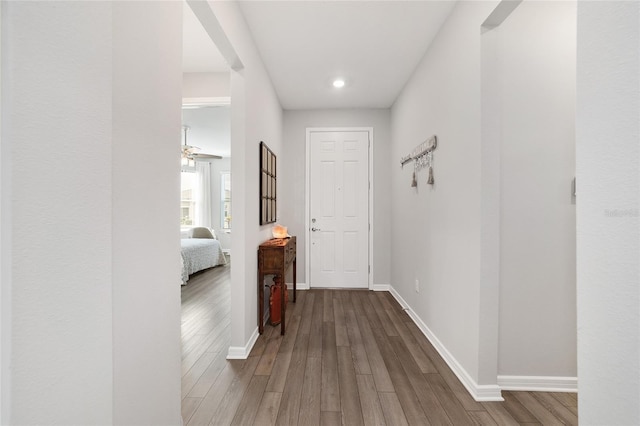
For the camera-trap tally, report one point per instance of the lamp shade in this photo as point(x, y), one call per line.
point(279, 231)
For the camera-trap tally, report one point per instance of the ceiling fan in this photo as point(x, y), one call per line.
point(190, 153)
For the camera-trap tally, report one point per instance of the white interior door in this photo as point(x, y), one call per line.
point(339, 209)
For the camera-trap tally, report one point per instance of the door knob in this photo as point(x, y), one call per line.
point(315, 229)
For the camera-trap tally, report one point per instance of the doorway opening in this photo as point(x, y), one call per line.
point(528, 216)
point(205, 208)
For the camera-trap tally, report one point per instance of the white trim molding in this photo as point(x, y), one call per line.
point(242, 352)
point(188, 103)
point(381, 287)
point(538, 383)
point(480, 393)
point(299, 286)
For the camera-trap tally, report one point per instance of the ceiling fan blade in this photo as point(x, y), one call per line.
point(190, 148)
point(197, 155)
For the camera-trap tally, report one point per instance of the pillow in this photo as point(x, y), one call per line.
point(202, 232)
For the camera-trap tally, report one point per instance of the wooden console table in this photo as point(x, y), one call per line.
point(274, 258)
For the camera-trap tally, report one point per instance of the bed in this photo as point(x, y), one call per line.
point(198, 254)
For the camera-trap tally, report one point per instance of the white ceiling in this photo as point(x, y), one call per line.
point(374, 45)
point(209, 129)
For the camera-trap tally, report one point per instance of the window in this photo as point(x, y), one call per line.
point(187, 198)
point(225, 200)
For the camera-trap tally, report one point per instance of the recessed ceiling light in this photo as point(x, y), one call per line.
point(338, 83)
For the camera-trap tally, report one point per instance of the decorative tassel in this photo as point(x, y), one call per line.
point(430, 178)
point(414, 181)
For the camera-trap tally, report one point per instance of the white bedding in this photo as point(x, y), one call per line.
point(199, 254)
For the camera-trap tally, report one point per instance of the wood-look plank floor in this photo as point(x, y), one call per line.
point(348, 357)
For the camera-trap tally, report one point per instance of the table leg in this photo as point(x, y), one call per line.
point(283, 306)
point(294, 280)
point(260, 303)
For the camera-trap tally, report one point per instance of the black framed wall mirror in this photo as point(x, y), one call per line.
point(268, 191)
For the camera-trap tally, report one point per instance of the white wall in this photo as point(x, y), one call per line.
point(292, 183)
point(445, 235)
point(206, 85)
point(256, 116)
point(82, 353)
point(62, 291)
point(608, 130)
point(436, 229)
point(537, 216)
point(146, 118)
point(5, 263)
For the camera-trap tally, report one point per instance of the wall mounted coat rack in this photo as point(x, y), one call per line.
point(422, 156)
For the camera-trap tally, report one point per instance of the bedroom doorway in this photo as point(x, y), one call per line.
point(206, 132)
point(205, 201)
point(206, 183)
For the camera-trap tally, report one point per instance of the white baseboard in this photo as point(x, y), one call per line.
point(478, 392)
point(305, 286)
point(242, 352)
point(299, 286)
point(538, 383)
point(381, 287)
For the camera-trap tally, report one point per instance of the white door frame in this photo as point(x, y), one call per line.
point(307, 198)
